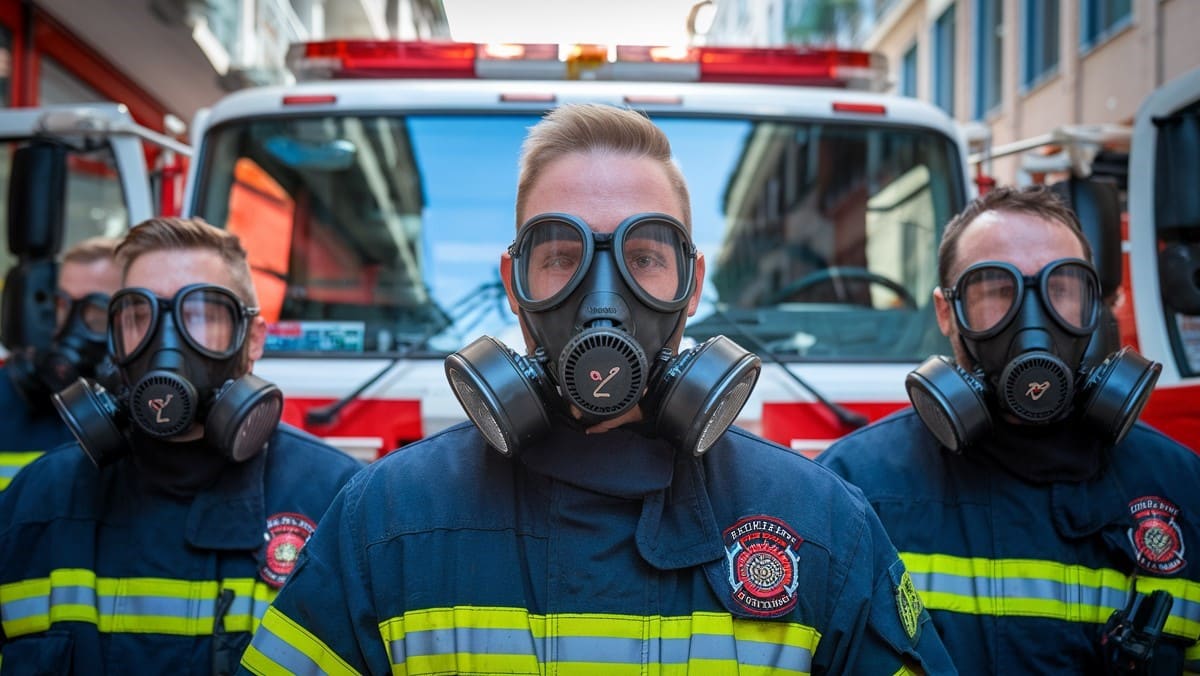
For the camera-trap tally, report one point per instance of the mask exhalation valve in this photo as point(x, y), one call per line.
point(603, 372)
point(163, 404)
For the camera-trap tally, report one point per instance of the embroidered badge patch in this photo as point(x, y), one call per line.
point(1156, 537)
point(286, 534)
point(762, 560)
point(909, 605)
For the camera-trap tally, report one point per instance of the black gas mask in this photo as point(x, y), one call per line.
point(179, 360)
point(602, 308)
point(78, 349)
point(1027, 336)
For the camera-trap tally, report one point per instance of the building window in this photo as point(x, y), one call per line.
point(1101, 18)
point(943, 61)
point(989, 30)
point(1041, 40)
point(908, 72)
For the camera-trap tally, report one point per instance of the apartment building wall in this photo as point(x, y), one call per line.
point(1101, 83)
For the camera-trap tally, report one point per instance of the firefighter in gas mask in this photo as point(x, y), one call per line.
point(185, 487)
point(599, 508)
point(1052, 529)
point(87, 276)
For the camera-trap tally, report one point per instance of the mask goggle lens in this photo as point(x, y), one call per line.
point(210, 318)
point(553, 252)
point(655, 258)
point(92, 310)
point(988, 295)
point(1072, 294)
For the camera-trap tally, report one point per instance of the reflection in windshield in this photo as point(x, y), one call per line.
point(367, 234)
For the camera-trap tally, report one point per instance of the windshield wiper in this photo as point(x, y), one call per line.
point(327, 415)
point(851, 419)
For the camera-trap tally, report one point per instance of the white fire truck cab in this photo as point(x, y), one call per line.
point(376, 197)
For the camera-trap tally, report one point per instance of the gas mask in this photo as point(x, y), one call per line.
point(602, 308)
point(1027, 336)
point(78, 349)
point(179, 361)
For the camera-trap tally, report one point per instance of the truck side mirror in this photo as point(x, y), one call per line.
point(27, 315)
point(37, 189)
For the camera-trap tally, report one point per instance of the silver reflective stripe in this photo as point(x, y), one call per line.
point(281, 653)
point(245, 605)
point(1018, 588)
point(600, 649)
point(157, 606)
point(40, 605)
point(465, 639)
point(1012, 588)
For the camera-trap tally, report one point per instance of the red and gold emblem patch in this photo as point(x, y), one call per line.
point(286, 535)
point(763, 565)
point(1156, 536)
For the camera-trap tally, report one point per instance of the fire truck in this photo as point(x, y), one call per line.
point(376, 195)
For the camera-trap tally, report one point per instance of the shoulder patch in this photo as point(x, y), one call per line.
point(909, 605)
point(1156, 537)
point(286, 535)
point(761, 561)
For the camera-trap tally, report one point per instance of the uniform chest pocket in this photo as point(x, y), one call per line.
point(45, 654)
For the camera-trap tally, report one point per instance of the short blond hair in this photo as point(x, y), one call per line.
point(91, 250)
point(587, 127)
point(163, 234)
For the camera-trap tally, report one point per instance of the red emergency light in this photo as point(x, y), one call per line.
point(385, 58)
point(790, 65)
point(774, 65)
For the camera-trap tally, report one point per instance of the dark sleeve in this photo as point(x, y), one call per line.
point(834, 459)
point(880, 625)
point(323, 619)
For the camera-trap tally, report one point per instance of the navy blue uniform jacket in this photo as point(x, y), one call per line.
point(24, 434)
point(597, 554)
point(1020, 577)
point(103, 575)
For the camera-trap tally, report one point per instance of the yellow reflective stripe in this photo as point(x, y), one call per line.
point(1050, 589)
point(478, 639)
point(251, 599)
point(13, 462)
point(130, 605)
point(282, 646)
point(906, 670)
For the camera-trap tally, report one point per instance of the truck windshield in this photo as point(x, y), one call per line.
point(369, 234)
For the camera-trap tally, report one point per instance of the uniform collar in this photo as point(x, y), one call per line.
point(230, 514)
point(677, 528)
point(1081, 508)
point(620, 462)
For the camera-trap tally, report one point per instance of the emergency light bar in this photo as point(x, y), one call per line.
point(421, 59)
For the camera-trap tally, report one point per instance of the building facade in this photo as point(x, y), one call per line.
point(1023, 68)
point(172, 57)
point(1010, 70)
